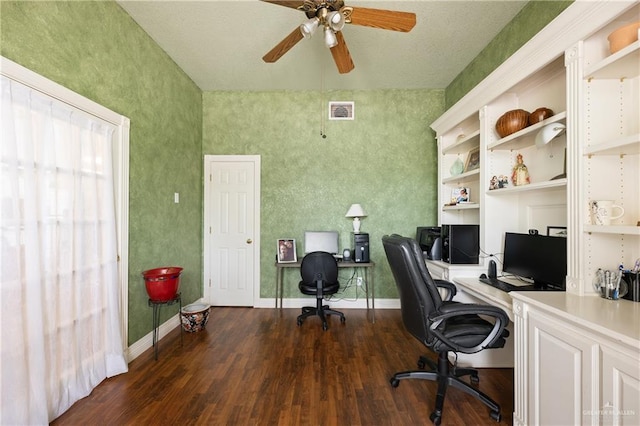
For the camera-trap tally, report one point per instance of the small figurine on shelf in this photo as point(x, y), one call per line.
point(493, 183)
point(520, 174)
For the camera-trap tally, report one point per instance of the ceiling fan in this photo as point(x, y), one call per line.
point(331, 16)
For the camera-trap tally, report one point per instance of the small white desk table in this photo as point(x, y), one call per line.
point(368, 277)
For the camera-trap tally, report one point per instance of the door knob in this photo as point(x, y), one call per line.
point(249, 240)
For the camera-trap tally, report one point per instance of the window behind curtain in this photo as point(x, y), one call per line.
point(61, 290)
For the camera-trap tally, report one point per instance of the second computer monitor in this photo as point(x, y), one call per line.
point(321, 241)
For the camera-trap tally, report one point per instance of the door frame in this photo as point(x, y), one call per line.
point(207, 205)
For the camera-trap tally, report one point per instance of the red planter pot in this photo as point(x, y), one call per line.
point(162, 284)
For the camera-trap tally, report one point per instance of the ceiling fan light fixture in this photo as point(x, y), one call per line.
point(330, 37)
point(309, 27)
point(335, 20)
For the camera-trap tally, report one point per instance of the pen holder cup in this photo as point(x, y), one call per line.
point(610, 285)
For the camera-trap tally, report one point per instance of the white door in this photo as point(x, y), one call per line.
point(231, 229)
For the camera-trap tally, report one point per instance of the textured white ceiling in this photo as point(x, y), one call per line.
point(220, 44)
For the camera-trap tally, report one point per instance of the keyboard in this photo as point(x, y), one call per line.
point(505, 286)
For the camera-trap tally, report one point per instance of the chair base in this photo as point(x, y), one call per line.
point(320, 310)
point(446, 376)
point(424, 361)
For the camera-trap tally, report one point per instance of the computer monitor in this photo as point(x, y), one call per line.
point(540, 258)
point(321, 241)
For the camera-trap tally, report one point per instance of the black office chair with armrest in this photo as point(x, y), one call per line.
point(319, 272)
point(442, 326)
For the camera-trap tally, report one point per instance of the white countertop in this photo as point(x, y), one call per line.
point(616, 319)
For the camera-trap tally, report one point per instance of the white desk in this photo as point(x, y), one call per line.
point(586, 340)
point(486, 293)
point(591, 343)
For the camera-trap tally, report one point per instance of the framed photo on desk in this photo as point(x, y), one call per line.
point(287, 250)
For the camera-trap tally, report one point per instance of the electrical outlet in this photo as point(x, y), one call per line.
point(359, 281)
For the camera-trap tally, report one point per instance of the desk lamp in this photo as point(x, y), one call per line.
point(546, 135)
point(356, 212)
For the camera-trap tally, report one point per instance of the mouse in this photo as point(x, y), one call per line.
point(483, 275)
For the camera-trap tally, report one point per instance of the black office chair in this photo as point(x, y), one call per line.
point(319, 272)
point(442, 326)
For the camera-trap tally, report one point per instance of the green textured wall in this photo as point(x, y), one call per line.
point(97, 50)
point(527, 23)
point(385, 160)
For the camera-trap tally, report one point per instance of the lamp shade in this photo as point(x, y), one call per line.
point(335, 20)
point(330, 37)
point(548, 133)
point(356, 210)
point(309, 27)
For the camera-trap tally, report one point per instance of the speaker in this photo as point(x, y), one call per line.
point(461, 244)
point(361, 251)
point(492, 272)
point(633, 281)
point(346, 255)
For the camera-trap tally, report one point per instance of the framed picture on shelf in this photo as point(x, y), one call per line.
point(473, 160)
point(460, 195)
point(287, 250)
point(557, 231)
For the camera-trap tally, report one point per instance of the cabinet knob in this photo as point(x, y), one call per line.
point(249, 240)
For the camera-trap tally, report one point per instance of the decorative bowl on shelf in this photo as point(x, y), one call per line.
point(623, 36)
point(511, 122)
point(539, 115)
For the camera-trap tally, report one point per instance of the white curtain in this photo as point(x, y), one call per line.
point(60, 327)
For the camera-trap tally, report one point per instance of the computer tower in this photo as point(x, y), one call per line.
point(461, 244)
point(361, 248)
point(430, 241)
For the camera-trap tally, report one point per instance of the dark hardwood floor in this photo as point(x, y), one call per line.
point(257, 367)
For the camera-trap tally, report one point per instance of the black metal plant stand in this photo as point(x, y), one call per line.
point(156, 318)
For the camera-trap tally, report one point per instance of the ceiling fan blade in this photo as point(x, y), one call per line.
point(341, 55)
point(383, 19)
point(284, 46)
point(292, 4)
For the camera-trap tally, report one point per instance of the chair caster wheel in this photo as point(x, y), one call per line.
point(394, 382)
point(421, 364)
point(495, 415)
point(475, 379)
point(343, 320)
point(325, 327)
point(435, 418)
point(299, 322)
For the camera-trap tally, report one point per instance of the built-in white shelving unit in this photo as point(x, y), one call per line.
point(608, 153)
point(594, 94)
point(568, 68)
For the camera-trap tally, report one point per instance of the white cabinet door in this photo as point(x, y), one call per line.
point(620, 402)
point(561, 371)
